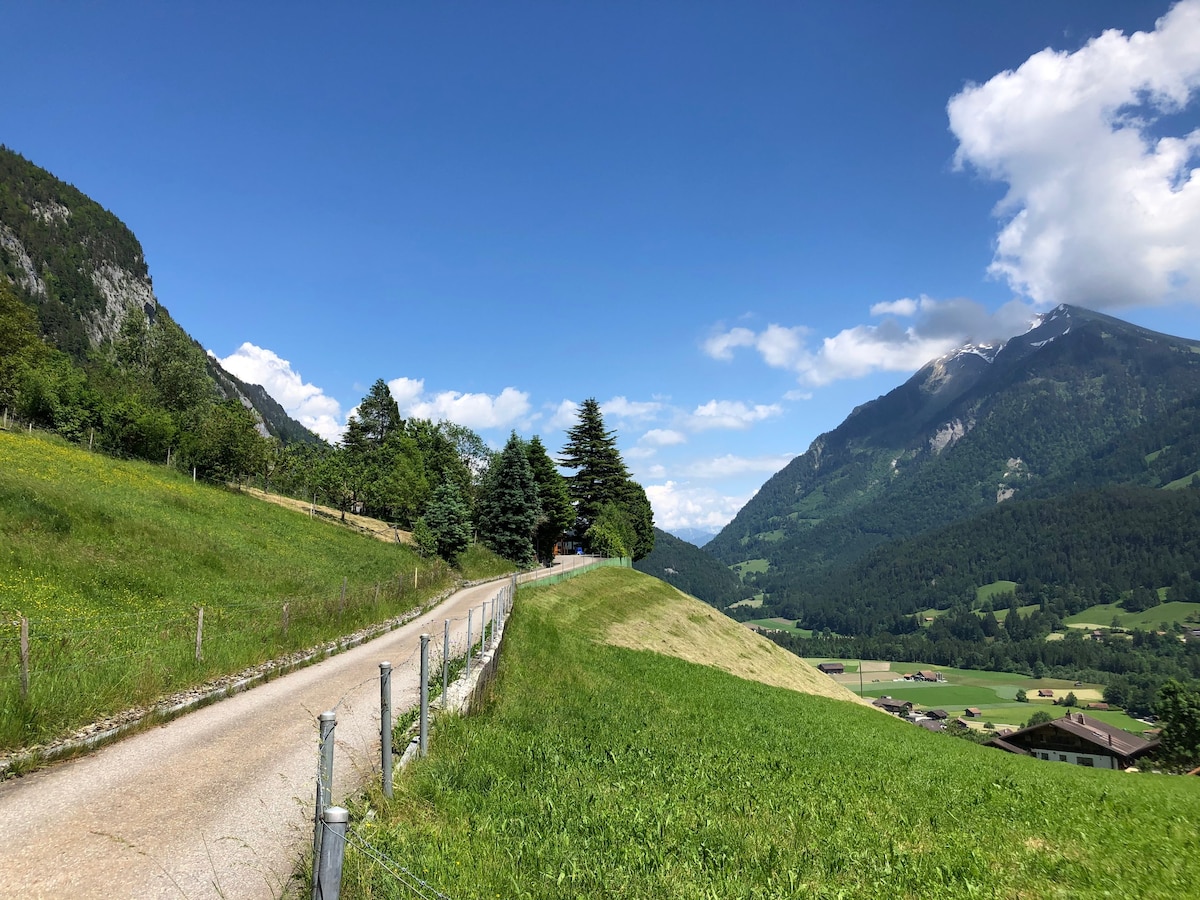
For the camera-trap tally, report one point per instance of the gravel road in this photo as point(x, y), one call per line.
point(217, 803)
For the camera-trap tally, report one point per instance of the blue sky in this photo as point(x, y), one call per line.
point(730, 223)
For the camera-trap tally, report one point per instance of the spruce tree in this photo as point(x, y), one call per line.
point(591, 450)
point(448, 519)
point(557, 513)
point(509, 510)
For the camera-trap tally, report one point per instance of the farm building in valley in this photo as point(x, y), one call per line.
point(832, 668)
point(1077, 739)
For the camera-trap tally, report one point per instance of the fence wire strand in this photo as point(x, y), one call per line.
point(406, 877)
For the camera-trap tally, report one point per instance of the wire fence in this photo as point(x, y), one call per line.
point(455, 668)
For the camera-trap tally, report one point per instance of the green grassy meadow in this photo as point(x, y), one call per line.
point(788, 625)
point(1101, 616)
point(111, 561)
point(594, 771)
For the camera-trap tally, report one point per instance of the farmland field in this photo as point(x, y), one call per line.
point(993, 692)
point(596, 771)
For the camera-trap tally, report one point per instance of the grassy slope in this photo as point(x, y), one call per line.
point(109, 561)
point(600, 771)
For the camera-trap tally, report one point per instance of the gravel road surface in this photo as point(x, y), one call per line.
point(218, 803)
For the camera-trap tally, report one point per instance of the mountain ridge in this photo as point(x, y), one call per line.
point(960, 436)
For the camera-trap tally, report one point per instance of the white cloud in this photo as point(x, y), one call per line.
point(731, 414)
point(503, 410)
point(936, 327)
point(306, 403)
point(1102, 208)
point(621, 408)
point(903, 307)
point(721, 345)
point(730, 465)
point(565, 415)
point(663, 437)
point(680, 505)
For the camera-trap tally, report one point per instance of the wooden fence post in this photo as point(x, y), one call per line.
point(342, 599)
point(199, 632)
point(285, 618)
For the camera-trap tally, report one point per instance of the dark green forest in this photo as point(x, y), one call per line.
point(693, 571)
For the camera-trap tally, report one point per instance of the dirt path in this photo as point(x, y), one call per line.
point(217, 803)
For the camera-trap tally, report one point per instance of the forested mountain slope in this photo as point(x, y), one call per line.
point(979, 427)
point(690, 569)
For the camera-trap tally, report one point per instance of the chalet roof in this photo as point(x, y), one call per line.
point(1005, 745)
point(928, 674)
point(974, 711)
point(932, 725)
point(1116, 740)
point(1045, 692)
point(891, 704)
point(938, 714)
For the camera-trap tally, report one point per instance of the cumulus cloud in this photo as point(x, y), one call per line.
point(503, 410)
point(306, 403)
point(1103, 206)
point(622, 408)
point(731, 414)
point(721, 344)
point(681, 505)
point(565, 415)
point(663, 437)
point(730, 465)
point(935, 328)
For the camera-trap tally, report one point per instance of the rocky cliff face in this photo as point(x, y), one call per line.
point(84, 273)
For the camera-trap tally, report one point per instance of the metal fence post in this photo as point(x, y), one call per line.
point(385, 725)
point(470, 615)
point(446, 667)
point(328, 722)
point(483, 630)
point(333, 854)
point(424, 694)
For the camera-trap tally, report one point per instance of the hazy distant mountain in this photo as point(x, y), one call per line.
point(982, 426)
point(697, 536)
point(83, 273)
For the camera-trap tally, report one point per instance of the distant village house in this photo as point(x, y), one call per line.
point(832, 668)
point(1077, 739)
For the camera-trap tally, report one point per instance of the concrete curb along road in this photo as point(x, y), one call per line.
point(218, 802)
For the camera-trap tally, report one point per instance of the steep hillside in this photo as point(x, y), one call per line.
point(690, 569)
point(597, 771)
point(979, 427)
point(82, 273)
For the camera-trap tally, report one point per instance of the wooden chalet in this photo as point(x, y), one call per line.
point(832, 668)
point(892, 705)
point(928, 675)
point(1077, 739)
point(973, 712)
point(940, 714)
point(1045, 692)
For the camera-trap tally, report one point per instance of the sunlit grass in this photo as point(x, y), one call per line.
point(596, 772)
point(111, 561)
